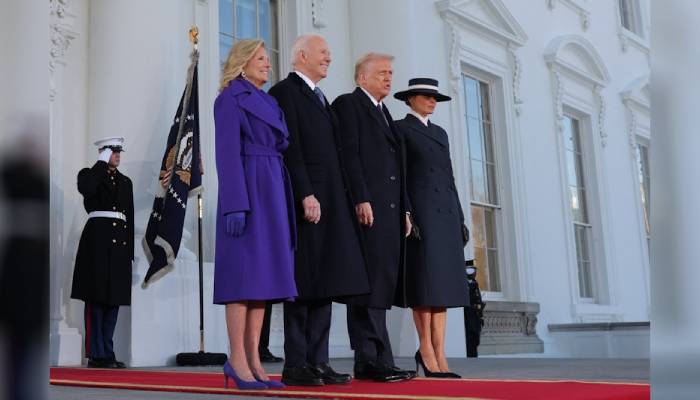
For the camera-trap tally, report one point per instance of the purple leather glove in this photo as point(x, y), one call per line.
point(235, 223)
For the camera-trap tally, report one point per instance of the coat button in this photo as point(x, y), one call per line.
point(392, 205)
point(391, 149)
point(114, 240)
point(439, 210)
point(393, 178)
point(437, 190)
point(114, 224)
point(114, 208)
point(124, 243)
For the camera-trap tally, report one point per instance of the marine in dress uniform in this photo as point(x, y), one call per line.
point(102, 275)
point(474, 312)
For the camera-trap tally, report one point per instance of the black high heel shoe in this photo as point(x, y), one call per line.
point(428, 373)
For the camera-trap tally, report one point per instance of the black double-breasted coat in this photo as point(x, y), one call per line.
point(329, 262)
point(374, 155)
point(434, 264)
point(102, 271)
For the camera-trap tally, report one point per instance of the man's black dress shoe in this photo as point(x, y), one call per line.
point(408, 373)
point(329, 376)
point(116, 364)
point(97, 363)
point(267, 357)
point(301, 376)
point(377, 372)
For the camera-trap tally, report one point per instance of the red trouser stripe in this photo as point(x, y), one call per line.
point(88, 328)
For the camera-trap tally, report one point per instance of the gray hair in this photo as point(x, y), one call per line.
point(362, 62)
point(300, 44)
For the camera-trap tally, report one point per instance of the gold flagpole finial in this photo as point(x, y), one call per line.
point(194, 35)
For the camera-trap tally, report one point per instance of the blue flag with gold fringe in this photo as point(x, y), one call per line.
point(183, 159)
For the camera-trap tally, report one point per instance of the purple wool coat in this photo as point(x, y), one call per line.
point(250, 134)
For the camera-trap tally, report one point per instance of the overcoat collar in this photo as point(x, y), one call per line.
point(431, 131)
point(372, 110)
point(258, 103)
point(306, 90)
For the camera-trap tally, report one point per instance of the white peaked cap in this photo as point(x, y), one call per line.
point(110, 141)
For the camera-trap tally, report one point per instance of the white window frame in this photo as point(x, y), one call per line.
point(276, 70)
point(637, 104)
point(629, 37)
point(578, 90)
point(583, 122)
point(496, 208)
point(502, 73)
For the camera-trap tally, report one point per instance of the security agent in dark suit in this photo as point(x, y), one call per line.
point(102, 274)
point(374, 155)
point(329, 263)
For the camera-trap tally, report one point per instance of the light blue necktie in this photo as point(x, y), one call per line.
point(319, 94)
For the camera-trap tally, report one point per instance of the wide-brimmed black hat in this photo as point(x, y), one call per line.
point(424, 86)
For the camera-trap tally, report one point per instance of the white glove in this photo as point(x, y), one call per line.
point(105, 155)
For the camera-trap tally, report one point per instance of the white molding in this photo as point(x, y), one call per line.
point(628, 38)
point(62, 33)
point(601, 115)
point(459, 20)
point(452, 9)
point(569, 96)
point(637, 109)
point(517, 73)
point(552, 56)
point(504, 77)
point(317, 14)
point(583, 14)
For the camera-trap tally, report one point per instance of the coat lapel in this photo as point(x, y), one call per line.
point(306, 90)
point(429, 131)
point(372, 110)
point(250, 99)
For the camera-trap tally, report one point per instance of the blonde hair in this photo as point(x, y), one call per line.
point(238, 57)
point(362, 62)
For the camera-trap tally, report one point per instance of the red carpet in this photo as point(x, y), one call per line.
point(419, 388)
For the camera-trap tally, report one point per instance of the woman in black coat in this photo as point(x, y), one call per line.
point(435, 277)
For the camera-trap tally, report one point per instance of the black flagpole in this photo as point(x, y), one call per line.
point(201, 357)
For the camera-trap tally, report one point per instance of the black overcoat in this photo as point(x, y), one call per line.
point(329, 263)
point(106, 250)
point(434, 264)
point(374, 155)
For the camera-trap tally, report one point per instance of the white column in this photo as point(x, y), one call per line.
point(138, 59)
point(65, 341)
point(675, 349)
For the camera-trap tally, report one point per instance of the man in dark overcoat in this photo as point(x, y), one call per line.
point(329, 262)
point(374, 157)
point(102, 275)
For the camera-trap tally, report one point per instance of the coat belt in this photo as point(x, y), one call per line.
point(107, 214)
point(250, 149)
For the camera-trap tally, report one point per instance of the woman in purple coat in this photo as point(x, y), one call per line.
point(255, 219)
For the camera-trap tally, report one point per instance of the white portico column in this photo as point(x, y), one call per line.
point(65, 341)
point(138, 57)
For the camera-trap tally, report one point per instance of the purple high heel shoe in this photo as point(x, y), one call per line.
point(270, 383)
point(240, 383)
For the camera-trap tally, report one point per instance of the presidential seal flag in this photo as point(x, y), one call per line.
point(182, 159)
